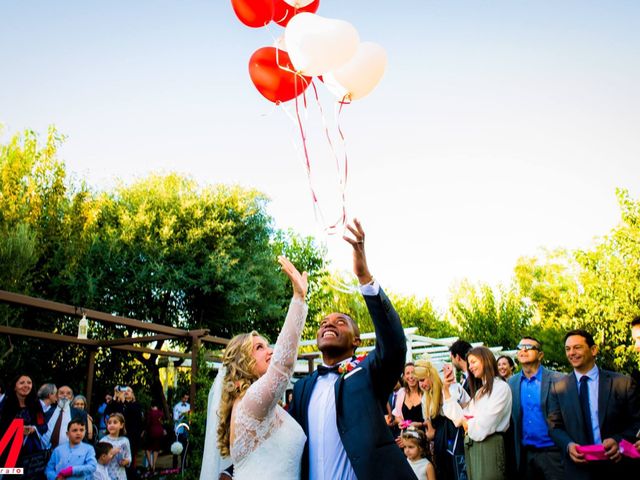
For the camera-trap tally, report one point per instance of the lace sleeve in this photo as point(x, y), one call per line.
point(255, 415)
point(263, 395)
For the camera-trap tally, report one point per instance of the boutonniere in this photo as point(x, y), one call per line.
point(346, 367)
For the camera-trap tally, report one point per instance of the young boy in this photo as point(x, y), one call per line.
point(104, 454)
point(73, 459)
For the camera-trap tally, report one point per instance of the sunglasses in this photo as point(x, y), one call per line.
point(527, 347)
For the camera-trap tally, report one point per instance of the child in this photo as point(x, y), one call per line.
point(75, 458)
point(116, 437)
point(415, 449)
point(104, 453)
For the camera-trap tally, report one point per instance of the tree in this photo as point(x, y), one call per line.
point(484, 316)
point(610, 279)
point(550, 284)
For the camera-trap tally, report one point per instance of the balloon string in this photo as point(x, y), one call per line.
point(317, 211)
point(346, 160)
point(341, 178)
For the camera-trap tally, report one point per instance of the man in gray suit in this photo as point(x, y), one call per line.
point(536, 455)
point(592, 406)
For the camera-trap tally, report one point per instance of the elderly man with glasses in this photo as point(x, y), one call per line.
point(537, 456)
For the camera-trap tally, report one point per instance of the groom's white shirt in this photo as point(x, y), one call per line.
point(328, 459)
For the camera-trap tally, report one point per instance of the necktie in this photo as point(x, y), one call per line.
point(322, 370)
point(586, 409)
point(55, 436)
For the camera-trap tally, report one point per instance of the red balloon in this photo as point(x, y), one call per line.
point(253, 13)
point(273, 75)
point(283, 12)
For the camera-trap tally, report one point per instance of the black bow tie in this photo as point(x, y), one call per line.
point(322, 370)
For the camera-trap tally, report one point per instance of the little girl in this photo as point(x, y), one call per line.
point(415, 449)
point(122, 450)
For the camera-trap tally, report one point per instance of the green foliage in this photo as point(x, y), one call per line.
point(610, 280)
point(339, 293)
point(167, 250)
point(495, 319)
point(419, 312)
point(596, 289)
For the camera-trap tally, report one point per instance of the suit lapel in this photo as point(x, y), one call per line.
point(604, 389)
point(337, 388)
point(544, 390)
point(516, 397)
point(306, 398)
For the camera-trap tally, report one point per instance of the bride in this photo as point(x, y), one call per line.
point(245, 424)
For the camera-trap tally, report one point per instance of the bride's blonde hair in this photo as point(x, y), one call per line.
point(240, 365)
point(432, 399)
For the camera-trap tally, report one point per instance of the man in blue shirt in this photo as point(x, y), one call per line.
point(537, 456)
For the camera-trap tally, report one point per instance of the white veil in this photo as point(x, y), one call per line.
point(212, 462)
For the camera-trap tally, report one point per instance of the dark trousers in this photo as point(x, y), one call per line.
point(541, 464)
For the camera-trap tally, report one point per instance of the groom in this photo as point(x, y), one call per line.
point(341, 405)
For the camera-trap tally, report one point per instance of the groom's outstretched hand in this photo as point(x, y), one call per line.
point(360, 267)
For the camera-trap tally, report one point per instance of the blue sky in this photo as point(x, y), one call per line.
point(498, 128)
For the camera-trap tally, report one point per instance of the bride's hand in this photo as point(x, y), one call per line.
point(298, 280)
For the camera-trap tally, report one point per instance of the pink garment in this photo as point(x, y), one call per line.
point(592, 452)
point(628, 449)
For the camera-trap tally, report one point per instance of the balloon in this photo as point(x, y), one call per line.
point(298, 3)
point(280, 44)
point(360, 75)
point(285, 10)
point(271, 72)
point(317, 45)
point(253, 13)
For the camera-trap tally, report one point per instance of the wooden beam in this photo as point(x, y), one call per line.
point(214, 339)
point(150, 351)
point(132, 340)
point(56, 337)
point(17, 299)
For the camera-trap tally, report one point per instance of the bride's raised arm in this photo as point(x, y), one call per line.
point(263, 395)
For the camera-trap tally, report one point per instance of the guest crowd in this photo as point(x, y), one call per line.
point(61, 439)
point(489, 423)
point(494, 424)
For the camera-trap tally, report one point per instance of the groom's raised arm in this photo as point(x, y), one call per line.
point(387, 359)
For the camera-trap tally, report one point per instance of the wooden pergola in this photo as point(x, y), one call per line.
point(153, 332)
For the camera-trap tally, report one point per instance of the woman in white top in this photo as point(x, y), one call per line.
point(483, 416)
point(261, 439)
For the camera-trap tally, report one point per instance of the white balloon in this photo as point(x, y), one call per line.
point(280, 44)
point(298, 3)
point(317, 45)
point(360, 75)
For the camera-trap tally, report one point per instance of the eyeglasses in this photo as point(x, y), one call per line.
point(527, 347)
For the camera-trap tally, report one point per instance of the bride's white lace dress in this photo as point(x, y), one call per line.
point(268, 442)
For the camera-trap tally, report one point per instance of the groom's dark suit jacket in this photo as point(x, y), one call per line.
point(361, 398)
point(618, 415)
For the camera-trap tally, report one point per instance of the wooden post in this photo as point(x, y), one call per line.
point(90, 373)
point(195, 348)
point(310, 363)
